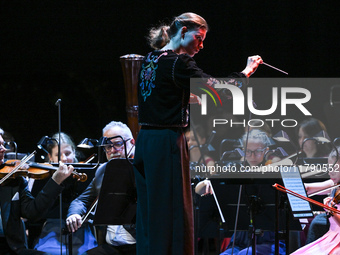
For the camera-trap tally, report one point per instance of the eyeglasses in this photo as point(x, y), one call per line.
point(257, 153)
point(117, 145)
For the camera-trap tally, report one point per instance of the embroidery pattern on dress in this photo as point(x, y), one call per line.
point(148, 74)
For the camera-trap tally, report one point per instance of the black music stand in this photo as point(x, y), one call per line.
point(258, 196)
point(117, 200)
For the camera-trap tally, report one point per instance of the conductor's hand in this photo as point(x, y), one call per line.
point(62, 173)
point(252, 63)
point(73, 222)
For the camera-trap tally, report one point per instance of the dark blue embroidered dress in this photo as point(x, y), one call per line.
point(161, 164)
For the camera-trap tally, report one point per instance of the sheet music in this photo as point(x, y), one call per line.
point(292, 180)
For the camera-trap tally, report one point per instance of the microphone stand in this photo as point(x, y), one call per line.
point(15, 149)
point(240, 191)
point(58, 104)
point(202, 150)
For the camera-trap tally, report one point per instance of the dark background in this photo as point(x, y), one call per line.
point(70, 50)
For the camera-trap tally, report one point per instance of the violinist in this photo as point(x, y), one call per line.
point(307, 129)
point(49, 238)
point(320, 223)
point(17, 201)
point(118, 239)
point(329, 243)
point(195, 152)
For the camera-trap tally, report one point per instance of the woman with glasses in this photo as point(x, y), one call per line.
point(255, 145)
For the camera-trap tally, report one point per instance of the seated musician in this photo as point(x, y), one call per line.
point(17, 201)
point(307, 129)
point(320, 223)
point(49, 238)
point(256, 144)
point(119, 239)
point(329, 243)
point(195, 152)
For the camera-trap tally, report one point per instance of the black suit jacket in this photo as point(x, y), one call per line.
point(16, 202)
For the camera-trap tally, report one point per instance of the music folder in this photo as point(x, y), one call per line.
point(117, 198)
point(292, 180)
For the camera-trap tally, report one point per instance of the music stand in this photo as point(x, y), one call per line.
point(265, 205)
point(117, 200)
point(292, 180)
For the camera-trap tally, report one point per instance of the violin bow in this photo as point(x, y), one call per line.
point(22, 162)
point(218, 205)
point(84, 218)
point(288, 191)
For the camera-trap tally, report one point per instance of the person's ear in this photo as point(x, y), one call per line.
point(133, 141)
point(183, 31)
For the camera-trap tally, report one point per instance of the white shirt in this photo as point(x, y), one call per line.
point(117, 235)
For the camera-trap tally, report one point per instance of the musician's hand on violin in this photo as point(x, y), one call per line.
point(252, 64)
point(73, 222)
point(24, 167)
point(328, 201)
point(62, 173)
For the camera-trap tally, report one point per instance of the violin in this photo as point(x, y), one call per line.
point(37, 171)
point(329, 208)
point(336, 198)
point(15, 171)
